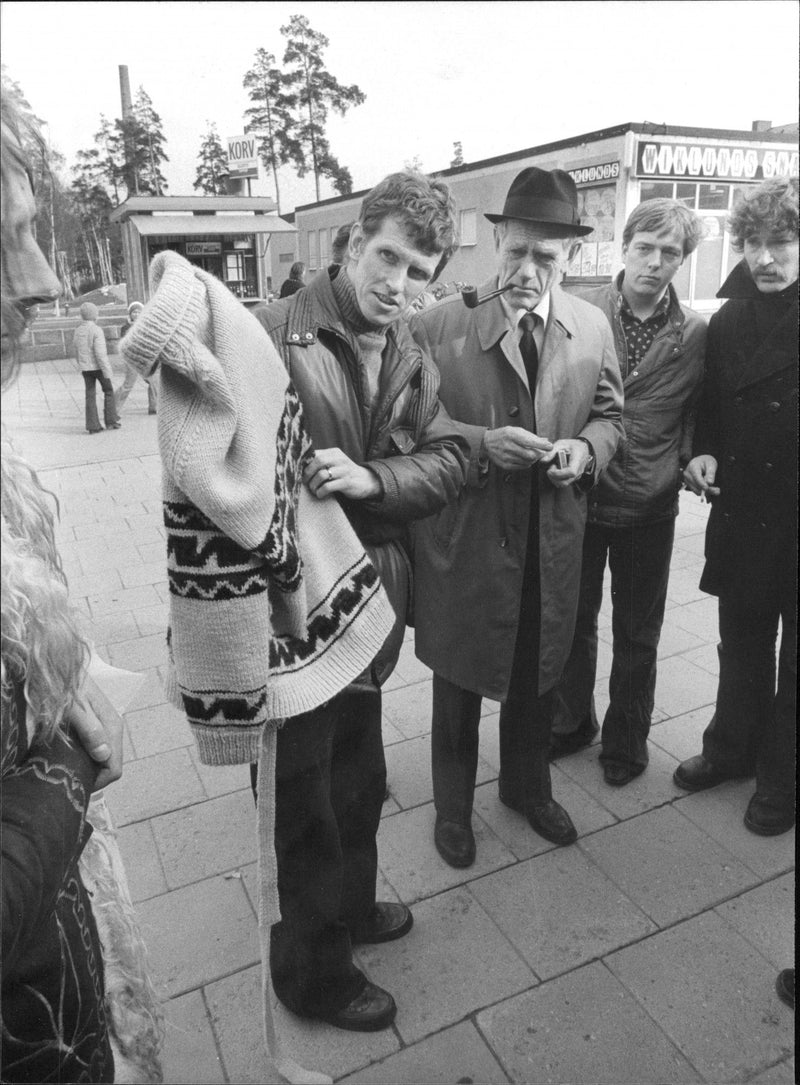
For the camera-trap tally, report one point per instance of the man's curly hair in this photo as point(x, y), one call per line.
point(770, 207)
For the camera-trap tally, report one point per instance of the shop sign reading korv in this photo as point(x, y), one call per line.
point(242, 157)
point(698, 160)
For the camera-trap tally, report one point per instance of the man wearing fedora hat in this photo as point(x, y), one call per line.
point(532, 378)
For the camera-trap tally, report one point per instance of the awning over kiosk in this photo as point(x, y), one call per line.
point(194, 225)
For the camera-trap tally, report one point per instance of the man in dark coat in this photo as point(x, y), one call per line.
point(498, 571)
point(387, 450)
point(745, 462)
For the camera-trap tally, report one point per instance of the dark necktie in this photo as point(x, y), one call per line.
point(528, 350)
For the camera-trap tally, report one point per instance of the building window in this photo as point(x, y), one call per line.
point(468, 227)
point(323, 248)
point(312, 250)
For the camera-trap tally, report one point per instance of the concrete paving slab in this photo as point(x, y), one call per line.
point(515, 832)
point(682, 687)
point(390, 732)
point(684, 586)
point(154, 785)
point(151, 690)
point(235, 1007)
point(706, 657)
point(681, 736)
point(666, 865)
point(720, 812)
point(188, 944)
point(209, 838)
point(221, 779)
point(409, 709)
point(158, 728)
point(190, 1054)
point(676, 641)
point(582, 1028)
point(153, 619)
point(139, 653)
point(765, 917)
point(653, 788)
point(112, 602)
point(699, 618)
point(456, 1054)
point(560, 910)
point(452, 960)
point(783, 1073)
point(411, 863)
point(142, 864)
point(713, 994)
point(113, 628)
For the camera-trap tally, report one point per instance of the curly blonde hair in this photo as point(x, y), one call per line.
point(40, 644)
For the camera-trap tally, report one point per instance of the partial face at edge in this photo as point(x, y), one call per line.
point(387, 271)
point(27, 278)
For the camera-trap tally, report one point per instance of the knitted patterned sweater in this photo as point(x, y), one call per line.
point(274, 605)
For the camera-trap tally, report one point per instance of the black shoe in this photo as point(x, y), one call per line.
point(114, 425)
point(784, 986)
point(617, 775)
point(698, 773)
point(552, 822)
point(370, 1011)
point(548, 819)
point(562, 745)
point(454, 842)
point(763, 818)
point(386, 922)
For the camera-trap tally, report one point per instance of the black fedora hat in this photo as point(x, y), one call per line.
point(545, 197)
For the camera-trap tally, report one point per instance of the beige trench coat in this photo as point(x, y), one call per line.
point(469, 558)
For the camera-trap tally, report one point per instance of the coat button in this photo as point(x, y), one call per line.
point(294, 337)
point(731, 459)
point(767, 466)
point(635, 373)
point(774, 406)
point(513, 411)
point(503, 543)
point(738, 401)
point(309, 336)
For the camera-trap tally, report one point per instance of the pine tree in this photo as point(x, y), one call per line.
point(270, 115)
point(317, 92)
point(149, 140)
point(212, 164)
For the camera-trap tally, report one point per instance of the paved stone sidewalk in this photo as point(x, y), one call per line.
point(645, 953)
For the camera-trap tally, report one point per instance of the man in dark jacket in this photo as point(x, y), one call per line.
point(387, 449)
point(631, 522)
point(529, 375)
point(745, 463)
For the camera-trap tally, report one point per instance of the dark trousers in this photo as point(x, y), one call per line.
point(330, 782)
point(754, 725)
point(525, 717)
point(109, 403)
point(639, 559)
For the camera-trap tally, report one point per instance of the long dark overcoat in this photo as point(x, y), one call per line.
point(748, 422)
point(469, 558)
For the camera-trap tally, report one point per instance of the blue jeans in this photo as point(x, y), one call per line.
point(639, 559)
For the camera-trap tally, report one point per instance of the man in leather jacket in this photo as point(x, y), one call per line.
point(387, 450)
point(631, 518)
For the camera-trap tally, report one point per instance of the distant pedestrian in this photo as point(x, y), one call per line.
point(91, 355)
point(295, 280)
point(131, 375)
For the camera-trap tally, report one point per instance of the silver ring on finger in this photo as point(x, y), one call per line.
point(330, 474)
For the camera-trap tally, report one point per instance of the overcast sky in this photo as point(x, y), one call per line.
point(497, 76)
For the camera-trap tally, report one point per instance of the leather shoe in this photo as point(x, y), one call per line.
point(784, 986)
point(562, 745)
point(552, 822)
point(617, 775)
point(548, 819)
point(385, 922)
point(370, 1011)
point(698, 773)
point(454, 842)
point(763, 818)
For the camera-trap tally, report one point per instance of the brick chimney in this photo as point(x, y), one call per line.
point(762, 126)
